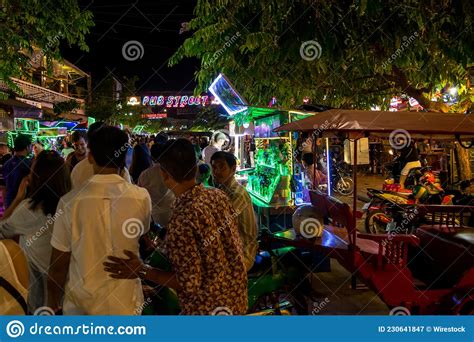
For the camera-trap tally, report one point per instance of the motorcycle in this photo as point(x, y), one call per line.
point(341, 179)
point(278, 283)
point(388, 209)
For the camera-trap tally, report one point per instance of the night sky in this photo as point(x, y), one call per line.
point(155, 25)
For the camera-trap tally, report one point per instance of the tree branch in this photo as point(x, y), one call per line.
point(401, 80)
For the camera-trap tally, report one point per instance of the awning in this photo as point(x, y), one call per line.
point(384, 123)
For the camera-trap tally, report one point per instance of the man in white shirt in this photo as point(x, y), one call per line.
point(105, 216)
point(83, 170)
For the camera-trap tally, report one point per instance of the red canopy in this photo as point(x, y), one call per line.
point(383, 123)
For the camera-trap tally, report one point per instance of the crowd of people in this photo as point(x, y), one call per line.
point(79, 218)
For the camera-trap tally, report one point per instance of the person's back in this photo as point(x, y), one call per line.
point(409, 160)
point(105, 216)
point(202, 242)
point(84, 171)
point(203, 233)
point(32, 218)
point(409, 154)
point(16, 168)
point(140, 162)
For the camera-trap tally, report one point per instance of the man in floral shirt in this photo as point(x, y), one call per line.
point(202, 242)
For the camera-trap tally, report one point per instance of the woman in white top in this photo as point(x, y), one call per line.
point(32, 219)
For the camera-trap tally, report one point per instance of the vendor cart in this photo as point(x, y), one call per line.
point(386, 262)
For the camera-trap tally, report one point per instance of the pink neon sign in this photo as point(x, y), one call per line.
point(177, 101)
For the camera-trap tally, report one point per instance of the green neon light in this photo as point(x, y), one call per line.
point(138, 129)
point(90, 121)
point(273, 162)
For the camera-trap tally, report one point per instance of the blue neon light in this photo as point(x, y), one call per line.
point(228, 97)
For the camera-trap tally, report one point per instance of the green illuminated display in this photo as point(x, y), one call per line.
point(138, 129)
point(270, 181)
point(23, 126)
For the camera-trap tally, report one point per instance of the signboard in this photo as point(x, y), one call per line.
point(175, 101)
point(33, 113)
point(154, 116)
point(133, 100)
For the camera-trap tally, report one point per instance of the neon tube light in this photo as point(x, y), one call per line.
point(328, 160)
point(228, 97)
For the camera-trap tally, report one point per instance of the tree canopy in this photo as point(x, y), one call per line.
point(357, 53)
point(29, 24)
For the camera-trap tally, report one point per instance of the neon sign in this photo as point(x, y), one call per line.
point(154, 116)
point(177, 101)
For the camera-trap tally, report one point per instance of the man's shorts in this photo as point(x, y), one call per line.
point(409, 166)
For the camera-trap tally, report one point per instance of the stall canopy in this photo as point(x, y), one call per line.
point(383, 123)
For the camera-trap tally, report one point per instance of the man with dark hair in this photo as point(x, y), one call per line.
point(106, 216)
point(83, 171)
point(17, 167)
point(161, 197)
point(202, 242)
point(224, 166)
point(160, 138)
point(80, 153)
